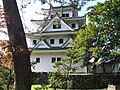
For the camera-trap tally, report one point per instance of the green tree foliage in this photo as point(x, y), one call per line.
point(61, 76)
point(6, 78)
point(99, 40)
point(6, 73)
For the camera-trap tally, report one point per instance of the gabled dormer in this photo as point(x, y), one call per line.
point(42, 44)
point(57, 24)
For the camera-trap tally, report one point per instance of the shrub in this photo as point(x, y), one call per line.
point(97, 81)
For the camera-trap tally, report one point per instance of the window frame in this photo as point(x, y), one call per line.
point(53, 59)
point(58, 59)
point(73, 25)
point(61, 42)
point(37, 60)
point(65, 15)
point(55, 27)
point(52, 41)
point(34, 42)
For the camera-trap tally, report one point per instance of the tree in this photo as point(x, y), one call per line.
point(16, 34)
point(99, 40)
point(6, 74)
point(61, 76)
point(6, 78)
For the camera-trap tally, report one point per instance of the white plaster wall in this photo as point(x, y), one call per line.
point(64, 12)
point(42, 46)
point(45, 64)
point(76, 26)
point(30, 42)
point(70, 13)
point(56, 40)
point(63, 28)
point(69, 45)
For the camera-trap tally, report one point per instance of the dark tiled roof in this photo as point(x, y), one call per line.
point(53, 48)
point(58, 31)
point(57, 7)
point(55, 32)
point(65, 18)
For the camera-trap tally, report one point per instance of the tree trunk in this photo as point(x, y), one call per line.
point(104, 71)
point(94, 69)
point(16, 34)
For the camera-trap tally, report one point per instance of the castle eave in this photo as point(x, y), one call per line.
point(59, 33)
point(44, 50)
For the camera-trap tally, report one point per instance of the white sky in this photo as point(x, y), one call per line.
point(30, 13)
point(3, 36)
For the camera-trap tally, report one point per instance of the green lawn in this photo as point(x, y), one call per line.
point(35, 86)
point(39, 86)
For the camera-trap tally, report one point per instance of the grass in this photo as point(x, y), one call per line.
point(34, 87)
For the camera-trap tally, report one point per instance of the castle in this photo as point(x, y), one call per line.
point(53, 38)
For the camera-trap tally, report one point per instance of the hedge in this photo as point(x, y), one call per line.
point(40, 78)
point(97, 81)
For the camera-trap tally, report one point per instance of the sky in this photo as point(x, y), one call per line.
point(3, 36)
point(29, 13)
point(83, 11)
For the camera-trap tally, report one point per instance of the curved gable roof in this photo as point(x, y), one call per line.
point(46, 28)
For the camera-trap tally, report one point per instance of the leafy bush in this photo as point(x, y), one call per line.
point(82, 81)
point(6, 78)
point(94, 81)
point(40, 78)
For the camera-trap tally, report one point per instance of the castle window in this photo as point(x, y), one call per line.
point(60, 41)
point(73, 25)
point(56, 24)
point(34, 42)
point(51, 16)
point(65, 15)
point(37, 60)
point(51, 41)
point(53, 60)
point(58, 59)
point(56, 27)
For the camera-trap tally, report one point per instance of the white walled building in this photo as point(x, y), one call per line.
point(54, 37)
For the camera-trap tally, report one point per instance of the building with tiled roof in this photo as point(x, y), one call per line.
point(53, 37)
